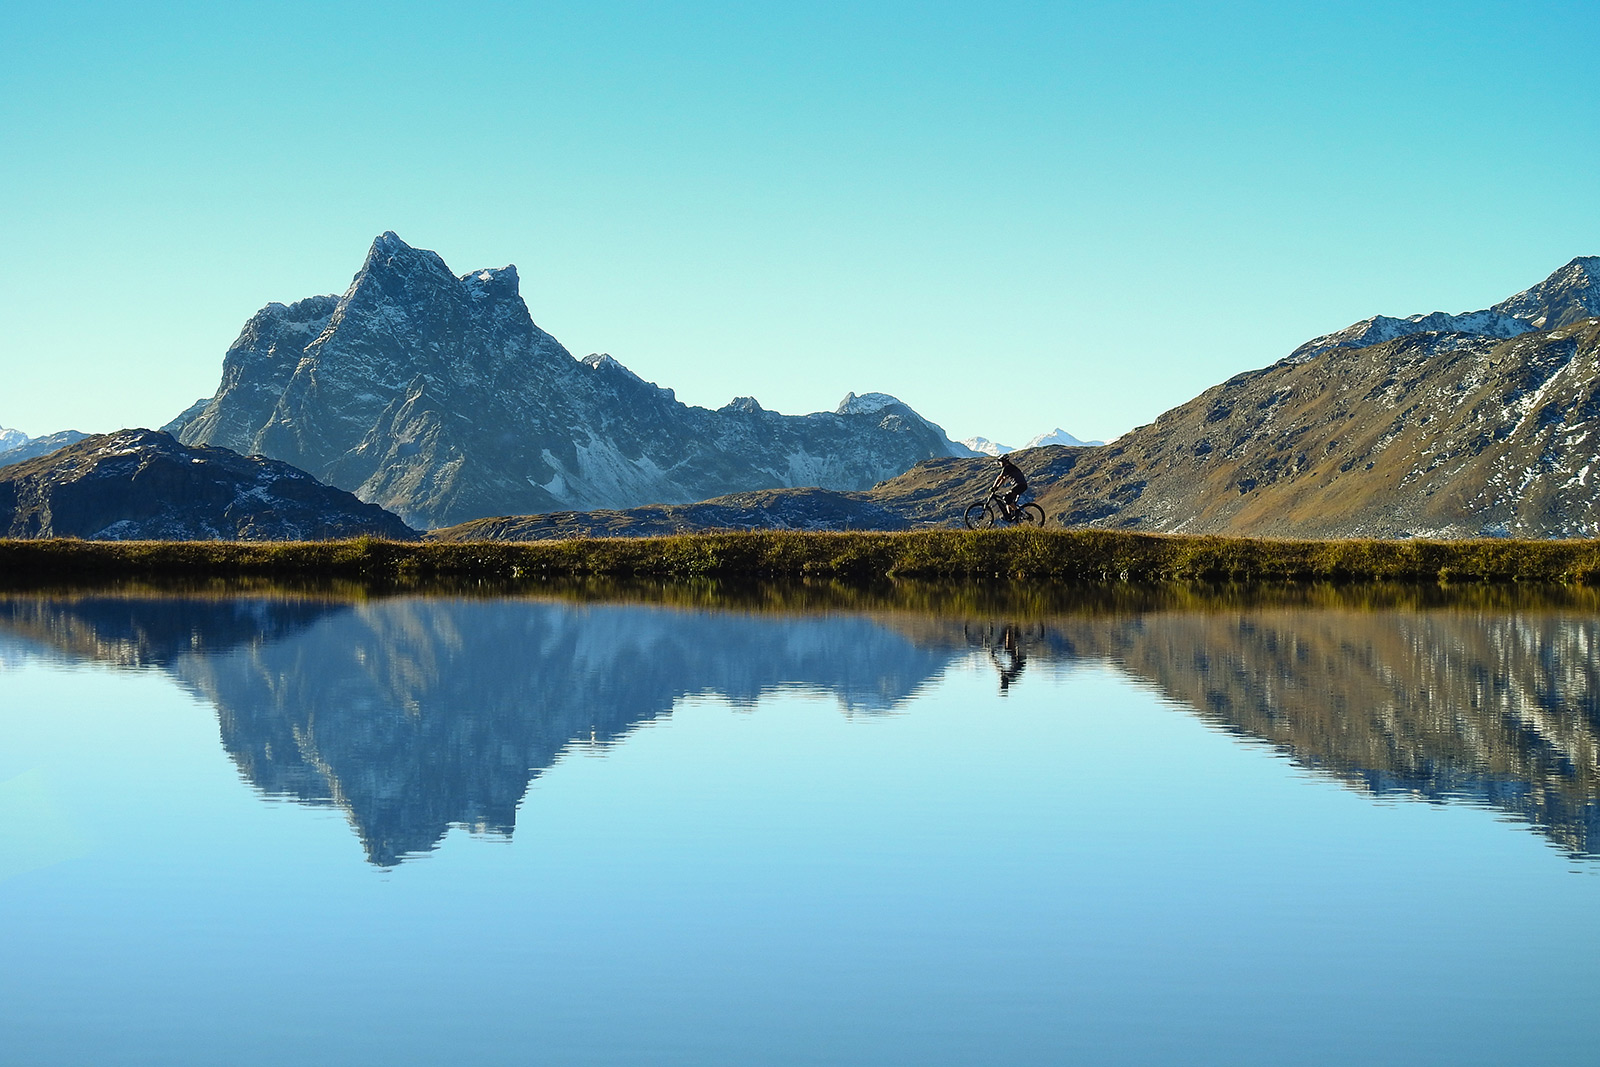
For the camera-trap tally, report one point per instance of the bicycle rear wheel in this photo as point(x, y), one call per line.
point(1030, 515)
point(979, 517)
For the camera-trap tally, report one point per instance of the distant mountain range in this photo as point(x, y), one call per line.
point(438, 397)
point(22, 447)
point(1057, 436)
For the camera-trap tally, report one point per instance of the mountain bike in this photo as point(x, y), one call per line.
point(986, 514)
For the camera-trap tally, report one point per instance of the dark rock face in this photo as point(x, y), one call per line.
point(139, 485)
point(40, 446)
point(438, 397)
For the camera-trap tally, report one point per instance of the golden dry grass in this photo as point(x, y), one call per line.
point(1078, 556)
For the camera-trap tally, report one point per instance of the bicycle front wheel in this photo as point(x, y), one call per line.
point(979, 517)
point(1031, 515)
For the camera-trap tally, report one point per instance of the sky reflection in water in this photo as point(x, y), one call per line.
point(1027, 838)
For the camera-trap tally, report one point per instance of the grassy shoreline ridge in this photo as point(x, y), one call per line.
point(1020, 555)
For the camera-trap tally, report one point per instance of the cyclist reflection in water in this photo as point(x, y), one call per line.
point(1008, 658)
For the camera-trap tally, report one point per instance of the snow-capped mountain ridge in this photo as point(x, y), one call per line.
point(1569, 295)
point(1380, 328)
point(984, 446)
point(1058, 436)
point(34, 447)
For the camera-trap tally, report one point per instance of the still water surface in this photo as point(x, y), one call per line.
point(279, 829)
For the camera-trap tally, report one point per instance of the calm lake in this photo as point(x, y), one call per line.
point(280, 828)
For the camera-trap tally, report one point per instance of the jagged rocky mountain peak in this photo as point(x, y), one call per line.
point(607, 365)
point(404, 278)
point(866, 403)
point(391, 262)
point(437, 395)
point(745, 404)
point(390, 254)
point(605, 361)
point(10, 439)
point(1380, 328)
point(400, 289)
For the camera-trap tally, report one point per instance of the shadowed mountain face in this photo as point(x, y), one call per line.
point(142, 485)
point(414, 715)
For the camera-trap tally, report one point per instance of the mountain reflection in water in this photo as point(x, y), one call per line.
point(417, 714)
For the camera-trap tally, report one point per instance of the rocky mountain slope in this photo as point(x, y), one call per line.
point(438, 397)
point(1444, 433)
point(10, 439)
point(1452, 431)
point(142, 485)
point(1480, 424)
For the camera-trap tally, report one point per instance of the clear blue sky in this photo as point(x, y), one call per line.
point(1012, 216)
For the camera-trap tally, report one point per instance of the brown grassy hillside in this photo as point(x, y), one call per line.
point(1438, 435)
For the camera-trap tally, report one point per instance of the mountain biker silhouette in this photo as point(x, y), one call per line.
point(1019, 485)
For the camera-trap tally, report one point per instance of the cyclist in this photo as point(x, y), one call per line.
point(1019, 485)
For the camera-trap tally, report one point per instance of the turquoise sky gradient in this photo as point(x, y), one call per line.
point(1012, 216)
